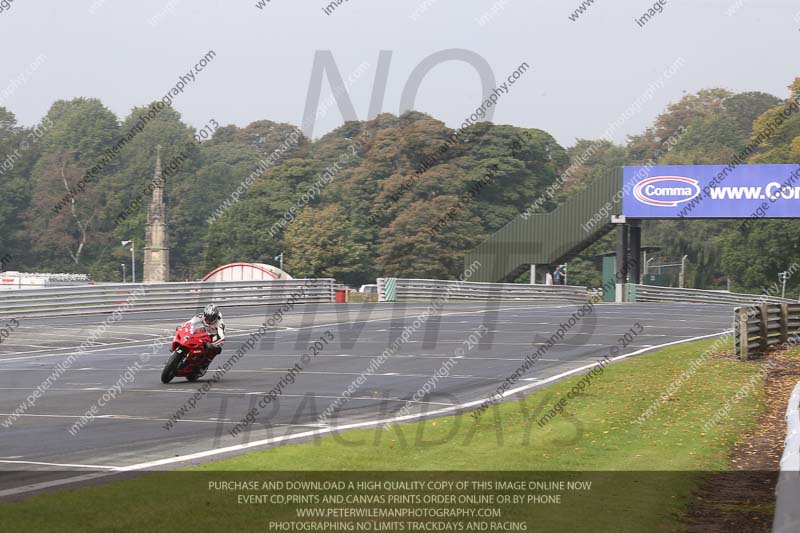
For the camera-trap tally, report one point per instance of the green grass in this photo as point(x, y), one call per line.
point(362, 297)
point(600, 428)
point(597, 432)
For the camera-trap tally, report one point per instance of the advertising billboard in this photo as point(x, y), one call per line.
point(711, 191)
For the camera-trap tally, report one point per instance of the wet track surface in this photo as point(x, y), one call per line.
point(130, 430)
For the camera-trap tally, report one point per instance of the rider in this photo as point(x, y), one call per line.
point(211, 320)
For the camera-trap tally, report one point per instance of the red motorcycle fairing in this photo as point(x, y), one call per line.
point(191, 342)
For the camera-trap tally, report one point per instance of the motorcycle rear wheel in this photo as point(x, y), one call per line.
point(171, 368)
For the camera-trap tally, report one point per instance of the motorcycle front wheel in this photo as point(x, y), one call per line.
point(171, 368)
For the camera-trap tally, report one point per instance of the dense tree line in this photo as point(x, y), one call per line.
point(357, 202)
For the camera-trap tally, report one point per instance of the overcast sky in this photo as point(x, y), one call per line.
point(583, 75)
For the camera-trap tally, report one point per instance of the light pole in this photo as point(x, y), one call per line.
point(783, 277)
point(280, 258)
point(682, 278)
point(123, 271)
point(647, 265)
point(133, 259)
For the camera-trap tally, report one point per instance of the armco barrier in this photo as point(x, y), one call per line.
point(160, 296)
point(650, 293)
point(787, 493)
point(758, 327)
point(431, 289)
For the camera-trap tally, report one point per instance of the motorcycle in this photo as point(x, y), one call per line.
point(188, 355)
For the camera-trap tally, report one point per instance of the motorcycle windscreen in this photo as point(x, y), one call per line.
point(196, 324)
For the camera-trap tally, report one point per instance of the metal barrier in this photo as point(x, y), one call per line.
point(651, 293)
point(400, 289)
point(787, 493)
point(160, 296)
point(758, 327)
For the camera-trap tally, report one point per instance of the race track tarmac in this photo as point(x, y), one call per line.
point(137, 429)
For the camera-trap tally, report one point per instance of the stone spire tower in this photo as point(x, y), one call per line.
point(156, 243)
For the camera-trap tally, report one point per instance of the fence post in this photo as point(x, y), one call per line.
point(784, 323)
point(763, 317)
point(744, 336)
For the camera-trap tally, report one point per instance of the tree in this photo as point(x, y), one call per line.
point(754, 259)
point(241, 234)
point(748, 106)
point(265, 136)
point(319, 243)
point(15, 168)
point(83, 126)
point(250, 230)
point(679, 115)
point(67, 215)
point(66, 234)
point(777, 147)
point(407, 250)
point(583, 273)
point(593, 159)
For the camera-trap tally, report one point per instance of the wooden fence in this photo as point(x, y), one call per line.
point(757, 328)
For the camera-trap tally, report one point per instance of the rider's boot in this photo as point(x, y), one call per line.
point(211, 352)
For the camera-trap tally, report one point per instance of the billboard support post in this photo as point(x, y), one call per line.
point(635, 268)
point(622, 261)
